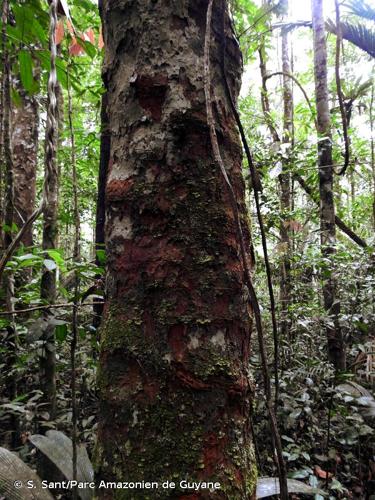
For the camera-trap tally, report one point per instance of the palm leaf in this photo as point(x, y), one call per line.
point(12, 469)
point(361, 9)
point(356, 33)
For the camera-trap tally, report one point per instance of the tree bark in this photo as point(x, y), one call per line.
point(173, 377)
point(25, 122)
point(50, 227)
point(285, 186)
point(336, 347)
point(105, 144)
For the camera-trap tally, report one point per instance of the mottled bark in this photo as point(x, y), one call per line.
point(50, 227)
point(173, 378)
point(285, 186)
point(25, 122)
point(11, 340)
point(336, 347)
point(264, 94)
point(105, 143)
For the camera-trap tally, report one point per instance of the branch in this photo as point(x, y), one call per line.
point(292, 77)
point(9, 251)
point(46, 307)
point(339, 223)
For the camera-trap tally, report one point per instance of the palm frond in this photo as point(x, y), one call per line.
point(356, 33)
point(361, 8)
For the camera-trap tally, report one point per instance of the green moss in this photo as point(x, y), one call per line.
point(118, 333)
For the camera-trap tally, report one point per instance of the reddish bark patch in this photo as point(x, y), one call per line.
point(131, 379)
point(147, 255)
point(188, 379)
point(151, 92)
point(221, 307)
point(148, 325)
point(213, 455)
point(117, 190)
point(151, 389)
point(177, 341)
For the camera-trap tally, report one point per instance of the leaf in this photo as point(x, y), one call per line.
point(89, 36)
point(76, 48)
point(50, 264)
point(13, 469)
point(100, 40)
point(26, 70)
point(322, 474)
point(268, 486)
point(58, 448)
point(61, 332)
point(59, 34)
point(65, 8)
point(55, 255)
point(100, 254)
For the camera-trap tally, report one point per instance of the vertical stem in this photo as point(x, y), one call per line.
point(4, 23)
point(372, 153)
point(336, 348)
point(244, 257)
point(105, 145)
point(339, 91)
point(76, 256)
point(284, 178)
point(50, 206)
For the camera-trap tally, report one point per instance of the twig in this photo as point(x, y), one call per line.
point(46, 307)
point(13, 245)
point(339, 223)
point(253, 296)
point(292, 77)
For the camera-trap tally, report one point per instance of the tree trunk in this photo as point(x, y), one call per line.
point(336, 348)
point(105, 144)
point(285, 182)
point(11, 340)
point(372, 145)
point(50, 227)
point(25, 122)
point(173, 378)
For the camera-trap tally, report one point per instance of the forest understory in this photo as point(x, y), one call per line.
point(187, 231)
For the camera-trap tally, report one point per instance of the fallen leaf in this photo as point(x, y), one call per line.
point(322, 474)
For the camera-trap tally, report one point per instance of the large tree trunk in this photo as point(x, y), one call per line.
point(336, 348)
point(25, 124)
point(173, 377)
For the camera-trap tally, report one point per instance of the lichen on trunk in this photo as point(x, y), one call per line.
point(175, 390)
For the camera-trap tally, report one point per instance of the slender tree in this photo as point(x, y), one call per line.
point(285, 182)
point(173, 375)
point(336, 348)
point(25, 122)
point(50, 195)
